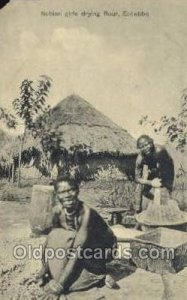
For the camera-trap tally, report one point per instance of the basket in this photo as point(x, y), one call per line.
point(163, 211)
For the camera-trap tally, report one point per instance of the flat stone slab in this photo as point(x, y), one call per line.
point(124, 234)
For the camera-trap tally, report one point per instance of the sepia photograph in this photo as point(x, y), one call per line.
point(93, 150)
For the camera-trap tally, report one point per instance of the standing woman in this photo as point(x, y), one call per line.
point(154, 169)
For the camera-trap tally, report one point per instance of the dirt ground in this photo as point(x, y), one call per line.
point(15, 283)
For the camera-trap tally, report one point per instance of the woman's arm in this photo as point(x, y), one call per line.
point(139, 172)
point(80, 240)
point(156, 182)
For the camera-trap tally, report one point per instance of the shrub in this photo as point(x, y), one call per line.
point(111, 172)
point(13, 193)
point(8, 196)
point(121, 194)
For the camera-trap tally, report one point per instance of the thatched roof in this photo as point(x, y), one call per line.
point(77, 122)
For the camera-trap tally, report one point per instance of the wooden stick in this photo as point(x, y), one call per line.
point(157, 196)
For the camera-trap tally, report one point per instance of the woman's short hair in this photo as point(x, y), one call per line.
point(145, 137)
point(72, 182)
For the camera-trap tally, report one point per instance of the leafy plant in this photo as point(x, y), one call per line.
point(121, 194)
point(9, 119)
point(109, 173)
point(174, 127)
point(29, 107)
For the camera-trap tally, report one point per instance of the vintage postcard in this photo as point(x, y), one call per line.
point(93, 136)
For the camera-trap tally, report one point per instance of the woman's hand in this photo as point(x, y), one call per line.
point(156, 183)
point(52, 291)
point(49, 297)
point(54, 287)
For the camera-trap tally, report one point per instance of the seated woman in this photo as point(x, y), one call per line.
point(76, 227)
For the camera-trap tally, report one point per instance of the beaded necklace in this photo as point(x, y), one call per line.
point(72, 218)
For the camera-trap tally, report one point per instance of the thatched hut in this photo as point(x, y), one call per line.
point(75, 134)
point(93, 139)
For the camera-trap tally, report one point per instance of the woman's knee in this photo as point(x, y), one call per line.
point(59, 236)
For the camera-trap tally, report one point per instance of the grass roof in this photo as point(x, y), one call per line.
point(77, 122)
